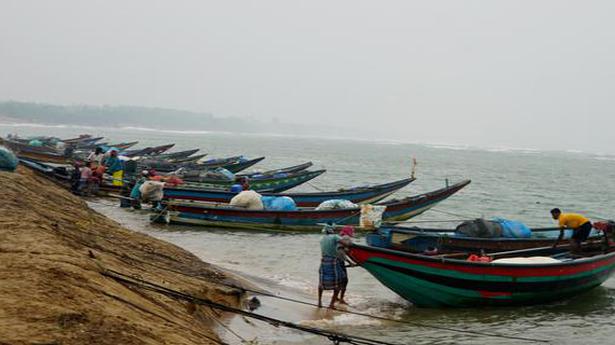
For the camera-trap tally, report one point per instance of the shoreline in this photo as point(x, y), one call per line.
point(54, 248)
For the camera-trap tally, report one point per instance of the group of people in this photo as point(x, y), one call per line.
point(87, 176)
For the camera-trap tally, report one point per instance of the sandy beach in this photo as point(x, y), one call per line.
point(54, 248)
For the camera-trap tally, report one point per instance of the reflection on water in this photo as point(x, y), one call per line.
point(518, 185)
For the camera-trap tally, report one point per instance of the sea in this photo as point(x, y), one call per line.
point(520, 184)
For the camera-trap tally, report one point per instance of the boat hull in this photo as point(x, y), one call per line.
point(358, 196)
point(431, 282)
point(196, 213)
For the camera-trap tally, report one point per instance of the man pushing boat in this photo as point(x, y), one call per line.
point(580, 225)
point(332, 273)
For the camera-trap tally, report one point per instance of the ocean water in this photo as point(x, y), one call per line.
point(521, 184)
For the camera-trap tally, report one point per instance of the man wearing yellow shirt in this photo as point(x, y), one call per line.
point(581, 226)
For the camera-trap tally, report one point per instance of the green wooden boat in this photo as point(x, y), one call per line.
point(441, 281)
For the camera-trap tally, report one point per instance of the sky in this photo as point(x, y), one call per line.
point(527, 74)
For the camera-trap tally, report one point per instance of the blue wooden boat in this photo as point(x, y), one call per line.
point(303, 219)
point(359, 195)
point(439, 241)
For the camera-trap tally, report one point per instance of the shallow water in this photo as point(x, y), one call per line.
point(523, 185)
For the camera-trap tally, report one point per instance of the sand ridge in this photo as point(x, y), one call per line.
point(52, 250)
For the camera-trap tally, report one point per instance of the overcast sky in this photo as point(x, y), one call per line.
point(535, 74)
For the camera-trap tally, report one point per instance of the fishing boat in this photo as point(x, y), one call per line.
point(82, 139)
point(152, 150)
point(192, 170)
point(302, 219)
point(197, 176)
point(265, 183)
point(531, 276)
point(176, 155)
point(191, 159)
point(422, 240)
point(358, 195)
point(38, 153)
point(232, 164)
point(62, 172)
point(122, 146)
point(287, 170)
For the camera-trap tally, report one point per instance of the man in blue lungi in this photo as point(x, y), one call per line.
point(332, 273)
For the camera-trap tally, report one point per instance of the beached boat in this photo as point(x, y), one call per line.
point(308, 219)
point(202, 175)
point(192, 170)
point(191, 159)
point(152, 150)
point(176, 155)
point(232, 164)
point(438, 281)
point(265, 183)
point(62, 173)
point(122, 146)
point(82, 139)
point(358, 195)
point(38, 153)
point(421, 240)
point(287, 170)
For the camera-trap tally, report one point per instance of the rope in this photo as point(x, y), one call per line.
point(227, 328)
point(288, 299)
point(496, 335)
point(335, 337)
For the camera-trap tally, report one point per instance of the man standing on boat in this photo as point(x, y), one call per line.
point(580, 225)
point(331, 273)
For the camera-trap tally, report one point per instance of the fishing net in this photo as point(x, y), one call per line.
point(479, 228)
point(335, 204)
